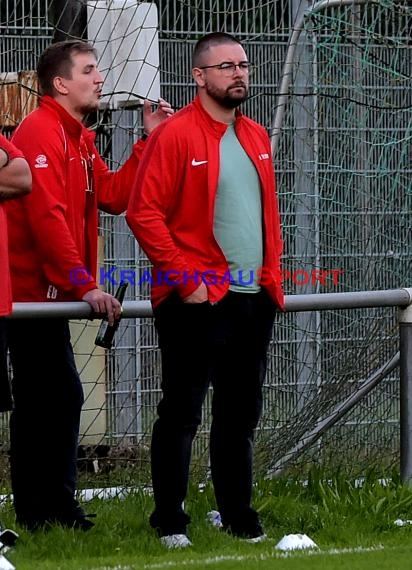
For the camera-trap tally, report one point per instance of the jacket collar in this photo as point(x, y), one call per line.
point(217, 127)
point(73, 127)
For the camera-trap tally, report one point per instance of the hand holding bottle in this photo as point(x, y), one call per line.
point(107, 329)
point(104, 304)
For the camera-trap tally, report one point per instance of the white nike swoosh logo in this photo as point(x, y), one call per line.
point(72, 158)
point(198, 162)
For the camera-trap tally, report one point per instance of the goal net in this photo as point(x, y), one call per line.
point(332, 84)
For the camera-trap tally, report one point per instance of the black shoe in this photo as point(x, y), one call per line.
point(252, 534)
point(248, 528)
point(31, 525)
point(78, 521)
point(8, 538)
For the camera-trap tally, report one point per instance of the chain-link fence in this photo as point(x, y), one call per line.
point(344, 169)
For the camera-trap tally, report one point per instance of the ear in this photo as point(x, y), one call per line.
point(198, 76)
point(59, 84)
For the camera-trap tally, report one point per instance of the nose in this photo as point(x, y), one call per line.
point(238, 70)
point(98, 77)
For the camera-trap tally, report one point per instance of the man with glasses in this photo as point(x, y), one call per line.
point(204, 209)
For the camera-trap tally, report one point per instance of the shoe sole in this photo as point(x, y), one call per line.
point(256, 539)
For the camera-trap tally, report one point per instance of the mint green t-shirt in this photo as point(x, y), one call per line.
point(238, 214)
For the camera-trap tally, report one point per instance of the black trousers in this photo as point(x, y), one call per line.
point(44, 425)
point(225, 345)
point(5, 392)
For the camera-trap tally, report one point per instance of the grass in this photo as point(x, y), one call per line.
point(339, 515)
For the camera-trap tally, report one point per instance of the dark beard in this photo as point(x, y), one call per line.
point(229, 102)
point(89, 109)
point(225, 99)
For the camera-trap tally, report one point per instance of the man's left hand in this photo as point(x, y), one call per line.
point(151, 119)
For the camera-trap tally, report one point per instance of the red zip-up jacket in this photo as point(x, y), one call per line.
point(53, 231)
point(171, 208)
point(5, 288)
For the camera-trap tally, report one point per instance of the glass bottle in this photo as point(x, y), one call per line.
point(105, 334)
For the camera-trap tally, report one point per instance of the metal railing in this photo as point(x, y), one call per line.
point(401, 298)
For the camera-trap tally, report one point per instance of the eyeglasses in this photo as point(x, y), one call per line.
point(228, 68)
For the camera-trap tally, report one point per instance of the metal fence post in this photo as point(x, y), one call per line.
point(405, 338)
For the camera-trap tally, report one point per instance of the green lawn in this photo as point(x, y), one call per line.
point(352, 526)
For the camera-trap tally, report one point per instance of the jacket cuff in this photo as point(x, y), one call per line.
point(81, 290)
point(186, 289)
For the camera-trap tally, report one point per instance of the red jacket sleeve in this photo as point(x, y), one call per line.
point(113, 188)
point(46, 208)
point(11, 150)
point(157, 182)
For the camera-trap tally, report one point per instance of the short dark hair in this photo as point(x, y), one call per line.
point(208, 41)
point(56, 60)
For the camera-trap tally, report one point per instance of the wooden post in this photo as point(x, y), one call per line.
point(18, 97)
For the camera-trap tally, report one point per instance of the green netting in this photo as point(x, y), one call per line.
point(343, 162)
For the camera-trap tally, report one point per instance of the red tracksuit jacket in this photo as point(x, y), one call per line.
point(5, 289)
point(53, 231)
point(171, 208)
